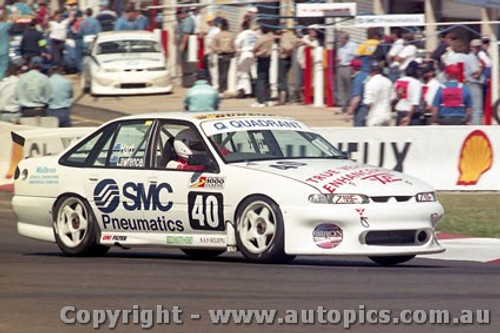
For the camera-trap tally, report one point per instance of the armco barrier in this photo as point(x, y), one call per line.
point(458, 158)
point(18, 142)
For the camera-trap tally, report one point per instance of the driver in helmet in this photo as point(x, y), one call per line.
point(186, 143)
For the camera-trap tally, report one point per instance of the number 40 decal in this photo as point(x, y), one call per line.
point(205, 211)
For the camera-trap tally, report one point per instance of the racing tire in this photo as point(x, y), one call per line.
point(392, 260)
point(202, 254)
point(75, 228)
point(260, 234)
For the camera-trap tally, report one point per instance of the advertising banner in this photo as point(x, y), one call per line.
point(455, 158)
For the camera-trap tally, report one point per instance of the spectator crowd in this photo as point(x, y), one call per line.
point(382, 79)
point(379, 81)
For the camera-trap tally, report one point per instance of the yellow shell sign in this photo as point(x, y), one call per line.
point(476, 157)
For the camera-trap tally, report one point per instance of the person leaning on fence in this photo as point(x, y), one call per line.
point(452, 104)
point(62, 97)
point(33, 90)
point(202, 96)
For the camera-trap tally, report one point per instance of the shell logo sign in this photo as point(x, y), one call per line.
point(476, 157)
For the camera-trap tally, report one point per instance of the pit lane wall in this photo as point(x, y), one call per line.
point(19, 141)
point(451, 158)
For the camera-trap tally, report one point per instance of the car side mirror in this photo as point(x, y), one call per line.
point(346, 155)
point(87, 52)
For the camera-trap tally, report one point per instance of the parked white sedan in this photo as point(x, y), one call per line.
point(266, 186)
point(126, 63)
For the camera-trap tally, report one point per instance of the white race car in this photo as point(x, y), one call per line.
point(125, 63)
point(207, 183)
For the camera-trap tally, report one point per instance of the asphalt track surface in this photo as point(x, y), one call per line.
point(36, 282)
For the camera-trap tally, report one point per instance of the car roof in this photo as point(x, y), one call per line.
point(199, 117)
point(113, 35)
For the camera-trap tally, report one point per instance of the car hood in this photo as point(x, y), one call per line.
point(342, 176)
point(132, 60)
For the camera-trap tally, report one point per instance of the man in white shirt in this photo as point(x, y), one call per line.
point(407, 94)
point(58, 30)
point(396, 47)
point(408, 53)
point(244, 43)
point(377, 97)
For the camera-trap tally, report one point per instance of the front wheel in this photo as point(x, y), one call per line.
point(75, 228)
point(260, 231)
point(391, 261)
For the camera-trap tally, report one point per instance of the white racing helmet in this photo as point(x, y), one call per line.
point(187, 143)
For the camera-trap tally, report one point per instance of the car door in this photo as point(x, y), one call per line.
point(118, 186)
point(196, 197)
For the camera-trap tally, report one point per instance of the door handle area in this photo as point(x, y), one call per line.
point(93, 179)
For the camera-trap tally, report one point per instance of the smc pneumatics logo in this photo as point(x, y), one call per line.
point(136, 196)
point(107, 196)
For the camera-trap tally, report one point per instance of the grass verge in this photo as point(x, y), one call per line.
point(470, 214)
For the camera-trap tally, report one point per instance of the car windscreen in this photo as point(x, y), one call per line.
point(128, 46)
point(258, 145)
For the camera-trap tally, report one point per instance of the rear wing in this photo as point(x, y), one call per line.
point(28, 143)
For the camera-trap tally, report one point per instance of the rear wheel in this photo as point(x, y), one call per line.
point(202, 254)
point(75, 228)
point(260, 231)
point(390, 261)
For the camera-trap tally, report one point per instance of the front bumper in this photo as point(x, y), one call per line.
point(365, 229)
point(131, 83)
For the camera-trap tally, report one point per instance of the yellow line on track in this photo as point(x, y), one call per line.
point(87, 120)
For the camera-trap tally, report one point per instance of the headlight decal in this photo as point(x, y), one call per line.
point(426, 197)
point(339, 199)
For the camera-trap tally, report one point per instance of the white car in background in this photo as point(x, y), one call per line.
point(126, 63)
point(266, 186)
